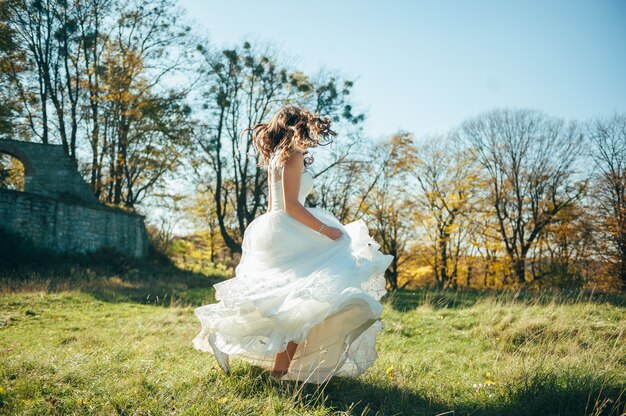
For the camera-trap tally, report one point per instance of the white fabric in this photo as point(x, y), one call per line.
point(295, 284)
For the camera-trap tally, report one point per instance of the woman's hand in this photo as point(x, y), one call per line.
point(332, 232)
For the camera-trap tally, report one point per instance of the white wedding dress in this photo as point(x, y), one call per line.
point(295, 284)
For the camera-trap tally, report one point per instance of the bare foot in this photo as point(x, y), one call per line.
point(283, 359)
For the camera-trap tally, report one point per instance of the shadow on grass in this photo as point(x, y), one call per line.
point(541, 394)
point(342, 395)
point(105, 274)
point(404, 300)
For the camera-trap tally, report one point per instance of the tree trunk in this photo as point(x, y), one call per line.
point(443, 251)
point(622, 271)
point(519, 268)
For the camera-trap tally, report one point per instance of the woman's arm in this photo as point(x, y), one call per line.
point(291, 186)
point(292, 170)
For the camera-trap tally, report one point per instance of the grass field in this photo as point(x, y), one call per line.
point(117, 340)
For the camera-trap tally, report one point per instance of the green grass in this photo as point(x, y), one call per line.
point(116, 339)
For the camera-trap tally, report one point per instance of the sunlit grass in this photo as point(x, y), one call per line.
point(113, 347)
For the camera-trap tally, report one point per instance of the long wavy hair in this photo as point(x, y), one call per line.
point(291, 129)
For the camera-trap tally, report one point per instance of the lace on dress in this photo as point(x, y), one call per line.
point(275, 176)
point(272, 171)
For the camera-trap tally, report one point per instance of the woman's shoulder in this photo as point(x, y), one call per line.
point(276, 155)
point(295, 157)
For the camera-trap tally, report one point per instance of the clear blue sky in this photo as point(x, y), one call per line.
point(425, 66)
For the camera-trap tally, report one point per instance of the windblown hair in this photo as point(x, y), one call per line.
point(291, 129)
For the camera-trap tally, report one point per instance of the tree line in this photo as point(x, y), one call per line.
point(137, 99)
point(510, 197)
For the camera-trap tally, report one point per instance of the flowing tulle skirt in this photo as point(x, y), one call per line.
point(295, 284)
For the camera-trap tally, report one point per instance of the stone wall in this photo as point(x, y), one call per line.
point(57, 209)
point(48, 170)
point(70, 227)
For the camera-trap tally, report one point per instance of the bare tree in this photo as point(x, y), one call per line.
point(34, 24)
point(608, 137)
point(47, 32)
point(94, 30)
point(389, 206)
point(447, 180)
point(530, 160)
point(145, 127)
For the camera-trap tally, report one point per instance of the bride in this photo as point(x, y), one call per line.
point(304, 302)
